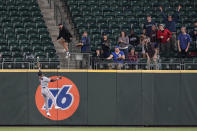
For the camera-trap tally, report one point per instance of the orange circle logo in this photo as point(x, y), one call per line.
point(61, 96)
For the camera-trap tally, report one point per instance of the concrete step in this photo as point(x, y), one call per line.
point(48, 15)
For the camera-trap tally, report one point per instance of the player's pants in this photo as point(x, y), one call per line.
point(47, 95)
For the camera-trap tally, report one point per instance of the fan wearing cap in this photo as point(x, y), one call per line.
point(164, 36)
point(118, 56)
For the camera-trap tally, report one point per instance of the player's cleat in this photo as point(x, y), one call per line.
point(57, 107)
point(67, 55)
point(48, 114)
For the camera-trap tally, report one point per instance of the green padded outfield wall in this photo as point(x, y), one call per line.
point(105, 98)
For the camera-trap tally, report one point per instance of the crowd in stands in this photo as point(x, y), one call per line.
point(157, 39)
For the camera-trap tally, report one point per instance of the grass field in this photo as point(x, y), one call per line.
point(97, 129)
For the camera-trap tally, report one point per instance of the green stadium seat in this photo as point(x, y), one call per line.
point(23, 8)
point(14, 14)
point(20, 31)
point(34, 37)
point(22, 37)
point(18, 25)
point(4, 49)
point(27, 49)
point(36, 14)
point(15, 19)
point(15, 48)
point(36, 44)
point(45, 37)
point(7, 25)
point(27, 19)
point(32, 31)
point(34, 9)
point(5, 19)
point(3, 42)
point(41, 55)
point(49, 49)
point(38, 20)
point(8, 30)
point(23, 42)
point(47, 43)
point(43, 31)
point(30, 25)
point(41, 25)
point(13, 43)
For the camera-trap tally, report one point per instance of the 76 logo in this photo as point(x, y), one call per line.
point(63, 98)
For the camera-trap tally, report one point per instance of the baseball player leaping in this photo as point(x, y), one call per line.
point(45, 91)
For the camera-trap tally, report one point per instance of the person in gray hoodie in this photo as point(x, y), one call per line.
point(123, 42)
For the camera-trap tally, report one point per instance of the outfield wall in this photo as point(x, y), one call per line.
point(106, 98)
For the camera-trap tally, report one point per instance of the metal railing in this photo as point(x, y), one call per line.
point(143, 65)
point(139, 66)
point(58, 14)
point(73, 61)
point(85, 61)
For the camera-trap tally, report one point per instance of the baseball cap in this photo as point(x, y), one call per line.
point(161, 25)
point(39, 73)
point(117, 47)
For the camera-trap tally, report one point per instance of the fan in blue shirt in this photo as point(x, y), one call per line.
point(85, 41)
point(184, 41)
point(118, 56)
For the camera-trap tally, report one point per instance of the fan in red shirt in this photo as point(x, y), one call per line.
point(164, 36)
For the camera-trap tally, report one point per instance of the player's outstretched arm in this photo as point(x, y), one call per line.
point(53, 80)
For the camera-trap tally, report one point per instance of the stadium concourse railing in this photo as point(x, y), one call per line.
point(141, 64)
point(86, 61)
point(73, 61)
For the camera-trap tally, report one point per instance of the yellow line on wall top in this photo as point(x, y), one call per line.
point(101, 71)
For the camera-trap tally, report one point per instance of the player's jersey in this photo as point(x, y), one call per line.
point(44, 82)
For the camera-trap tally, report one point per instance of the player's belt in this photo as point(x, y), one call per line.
point(43, 87)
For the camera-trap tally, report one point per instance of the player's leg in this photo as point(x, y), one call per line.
point(50, 95)
point(65, 44)
point(46, 98)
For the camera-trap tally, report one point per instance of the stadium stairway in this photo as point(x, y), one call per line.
point(48, 15)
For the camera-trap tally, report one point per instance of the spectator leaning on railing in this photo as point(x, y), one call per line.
point(184, 41)
point(97, 57)
point(118, 57)
point(170, 23)
point(150, 53)
point(141, 45)
point(164, 36)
